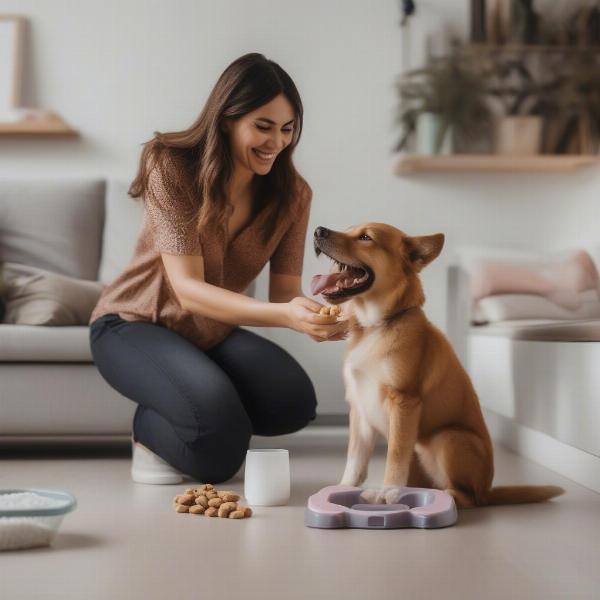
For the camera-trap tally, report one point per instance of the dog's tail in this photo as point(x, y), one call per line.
point(520, 494)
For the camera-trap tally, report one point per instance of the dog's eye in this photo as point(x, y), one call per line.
point(365, 237)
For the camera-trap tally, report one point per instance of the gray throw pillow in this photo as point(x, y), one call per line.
point(35, 296)
point(2, 303)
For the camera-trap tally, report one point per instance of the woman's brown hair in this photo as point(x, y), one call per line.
point(199, 158)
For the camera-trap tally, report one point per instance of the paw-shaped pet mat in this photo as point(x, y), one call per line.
point(339, 506)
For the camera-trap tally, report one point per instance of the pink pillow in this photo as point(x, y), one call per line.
point(558, 279)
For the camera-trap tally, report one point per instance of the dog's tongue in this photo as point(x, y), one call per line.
point(322, 282)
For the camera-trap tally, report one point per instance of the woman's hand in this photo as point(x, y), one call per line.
point(303, 316)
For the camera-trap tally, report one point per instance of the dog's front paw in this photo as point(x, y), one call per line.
point(371, 496)
point(348, 482)
point(384, 495)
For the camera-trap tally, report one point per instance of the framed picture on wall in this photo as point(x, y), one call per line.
point(11, 60)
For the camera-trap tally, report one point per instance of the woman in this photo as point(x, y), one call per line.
point(221, 198)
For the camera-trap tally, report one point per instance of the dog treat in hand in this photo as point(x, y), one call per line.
point(333, 311)
point(208, 501)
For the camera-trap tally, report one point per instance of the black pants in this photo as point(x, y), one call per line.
point(198, 409)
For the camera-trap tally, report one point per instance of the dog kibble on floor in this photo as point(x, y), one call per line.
point(206, 500)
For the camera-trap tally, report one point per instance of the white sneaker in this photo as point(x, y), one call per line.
point(147, 467)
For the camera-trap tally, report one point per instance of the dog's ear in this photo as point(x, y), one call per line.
point(423, 249)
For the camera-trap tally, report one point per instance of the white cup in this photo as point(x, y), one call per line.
point(267, 477)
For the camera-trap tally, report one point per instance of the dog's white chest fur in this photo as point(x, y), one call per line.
point(363, 377)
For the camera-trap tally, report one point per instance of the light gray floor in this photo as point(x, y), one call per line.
point(125, 541)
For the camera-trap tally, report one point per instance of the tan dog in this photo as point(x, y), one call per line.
point(403, 379)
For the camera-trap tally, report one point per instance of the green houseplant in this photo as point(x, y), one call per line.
point(451, 87)
point(524, 102)
point(573, 107)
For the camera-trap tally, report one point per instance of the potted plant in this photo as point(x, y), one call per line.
point(518, 129)
point(442, 102)
point(573, 107)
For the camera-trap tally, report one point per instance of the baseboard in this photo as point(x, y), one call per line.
point(331, 420)
point(59, 439)
point(323, 424)
point(332, 430)
point(579, 466)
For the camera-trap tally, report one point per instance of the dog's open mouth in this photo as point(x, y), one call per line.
point(347, 280)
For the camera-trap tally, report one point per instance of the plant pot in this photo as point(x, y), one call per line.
point(518, 136)
point(428, 130)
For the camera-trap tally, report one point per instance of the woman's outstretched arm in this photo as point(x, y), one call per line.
point(186, 275)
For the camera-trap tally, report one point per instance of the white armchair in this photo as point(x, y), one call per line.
point(534, 379)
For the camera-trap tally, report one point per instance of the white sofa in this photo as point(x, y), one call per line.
point(538, 383)
point(50, 389)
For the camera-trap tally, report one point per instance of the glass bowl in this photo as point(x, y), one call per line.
point(34, 526)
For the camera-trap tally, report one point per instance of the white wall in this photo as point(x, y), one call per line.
point(120, 69)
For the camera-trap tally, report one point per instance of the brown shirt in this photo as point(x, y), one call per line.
point(143, 291)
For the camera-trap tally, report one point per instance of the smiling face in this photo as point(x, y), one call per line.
point(258, 137)
point(371, 260)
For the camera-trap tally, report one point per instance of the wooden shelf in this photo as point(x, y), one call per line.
point(38, 124)
point(492, 163)
point(408, 164)
point(521, 48)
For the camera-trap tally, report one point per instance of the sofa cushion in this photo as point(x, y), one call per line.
point(123, 219)
point(543, 330)
point(512, 307)
point(37, 343)
point(53, 224)
point(38, 297)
